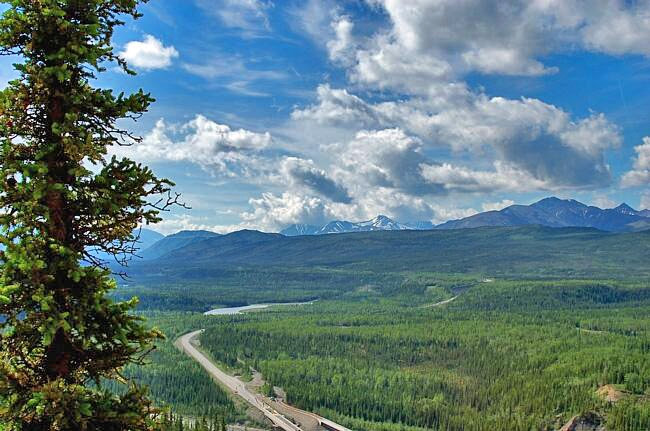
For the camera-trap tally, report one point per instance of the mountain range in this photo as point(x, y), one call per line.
point(545, 251)
point(381, 222)
point(554, 212)
point(551, 212)
point(166, 244)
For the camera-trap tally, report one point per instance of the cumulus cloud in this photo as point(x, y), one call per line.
point(177, 222)
point(216, 147)
point(387, 66)
point(240, 153)
point(617, 27)
point(411, 134)
point(386, 158)
point(604, 201)
point(645, 200)
point(392, 160)
point(430, 40)
point(341, 48)
point(304, 173)
point(338, 106)
point(148, 54)
point(640, 173)
point(274, 212)
point(526, 135)
point(497, 206)
point(462, 179)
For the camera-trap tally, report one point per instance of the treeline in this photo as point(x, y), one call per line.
point(504, 355)
point(171, 422)
point(175, 380)
point(229, 288)
point(554, 294)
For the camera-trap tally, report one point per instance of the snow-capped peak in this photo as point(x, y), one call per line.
point(381, 222)
point(625, 209)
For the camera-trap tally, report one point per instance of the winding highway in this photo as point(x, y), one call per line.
point(234, 384)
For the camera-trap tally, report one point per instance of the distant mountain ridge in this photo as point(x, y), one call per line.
point(145, 238)
point(569, 251)
point(550, 212)
point(379, 223)
point(554, 212)
point(175, 241)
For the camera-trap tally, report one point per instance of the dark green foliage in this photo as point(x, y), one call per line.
point(179, 423)
point(247, 267)
point(174, 379)
point(504, 355)
point(527, 252)
point(238, 286)
point(60, 331)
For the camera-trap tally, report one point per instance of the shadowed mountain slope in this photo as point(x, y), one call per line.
point(554, 212)
point(172, 242)
point(531, 250)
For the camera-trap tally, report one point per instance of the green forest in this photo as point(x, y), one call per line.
point(515, 355)
point(519, 327)
point(175, 380)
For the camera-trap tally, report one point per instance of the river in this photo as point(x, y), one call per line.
point(236, 310)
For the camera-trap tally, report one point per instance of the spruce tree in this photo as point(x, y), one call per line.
point(61, 197)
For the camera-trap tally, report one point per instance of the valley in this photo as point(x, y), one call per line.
point(504, 354)
point(324, 215)
point(512, 328)
point(288, 418)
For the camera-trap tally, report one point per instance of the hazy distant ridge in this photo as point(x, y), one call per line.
point(551, 212)
point(554, 212)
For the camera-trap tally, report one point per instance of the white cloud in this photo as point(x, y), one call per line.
point(504, 61)
point(377, 172)
point(296, 173)
point(497, 206)
point(391, 160)
point(462, 179)
point(527, 135)
point(430, 40)
point(385, 158)
point(388, 66)
point(314, 19)
point(273, 213)
point(337, 106)
point(177, 222)
point(430, 138)
point(617, 27)
point(604, 201)
point(148, 54)
point(341, 48)
point(645, 200)
point(251, 16)
point(216, 147)
point(223, 151)
point(640, 173)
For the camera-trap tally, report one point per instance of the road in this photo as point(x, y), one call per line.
point(234, 384)
point(438, 304)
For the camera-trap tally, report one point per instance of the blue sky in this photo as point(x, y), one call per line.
point(272, 113)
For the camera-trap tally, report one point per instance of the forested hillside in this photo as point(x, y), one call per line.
point(174, 380)
point(251, 267)
point(512, 251)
